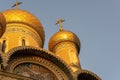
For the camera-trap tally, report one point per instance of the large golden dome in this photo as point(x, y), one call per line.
point(22, 16)
point(2, 24)
point(61, 36)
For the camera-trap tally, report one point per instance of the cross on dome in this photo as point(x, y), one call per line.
point(60, 21)
point(16, 4)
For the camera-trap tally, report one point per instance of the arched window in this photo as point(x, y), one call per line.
point(23, 42)
point(3, 45)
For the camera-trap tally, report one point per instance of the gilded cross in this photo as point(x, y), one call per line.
point(16, 4)
point(60, 21)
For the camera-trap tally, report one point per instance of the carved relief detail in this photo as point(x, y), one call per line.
point(64, 44)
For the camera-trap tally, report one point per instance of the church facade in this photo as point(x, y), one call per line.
point(22, 56)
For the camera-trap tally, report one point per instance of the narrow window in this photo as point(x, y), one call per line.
point(3, 45)
point(23, 42)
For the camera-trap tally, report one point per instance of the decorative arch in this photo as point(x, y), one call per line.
point(87, 75)
point(21, 54)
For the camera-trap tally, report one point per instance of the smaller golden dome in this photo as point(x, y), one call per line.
point(61, 36)
point(2, 24)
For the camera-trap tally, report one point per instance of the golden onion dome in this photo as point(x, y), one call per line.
point(61, 36)
point(22, 16)
point(2, 24)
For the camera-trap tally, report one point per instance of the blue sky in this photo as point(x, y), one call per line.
point(96, 22)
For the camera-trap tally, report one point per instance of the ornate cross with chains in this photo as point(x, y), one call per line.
point(16, 4)
point(60, 21)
